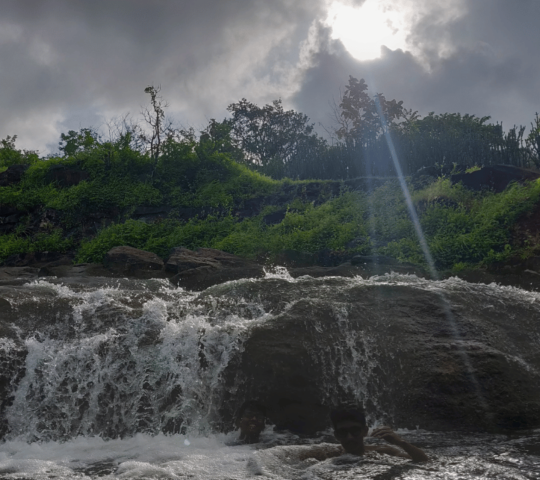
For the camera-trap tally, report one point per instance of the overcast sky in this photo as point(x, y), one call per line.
point(69, 64)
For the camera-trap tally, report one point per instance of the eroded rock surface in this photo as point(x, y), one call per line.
point(133, 262)
point(12, 175)
point(439, 355)
point(495, 177)
point(422, 356)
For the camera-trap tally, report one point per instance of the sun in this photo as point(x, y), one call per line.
point(364, 30)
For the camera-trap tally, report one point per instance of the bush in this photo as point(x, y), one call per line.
point(42, 242)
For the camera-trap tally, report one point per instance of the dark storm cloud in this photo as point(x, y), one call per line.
point(67, 64)
point(483, 62)
point(61, 57)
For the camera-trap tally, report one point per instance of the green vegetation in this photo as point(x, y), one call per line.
point(229, 180)
point(462, 229)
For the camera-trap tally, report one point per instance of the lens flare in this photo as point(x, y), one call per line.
point(445, 304)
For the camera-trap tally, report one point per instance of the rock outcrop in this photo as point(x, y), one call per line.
point(441, 356)
point(66, 176)
point(197, 270)
point(133, 262)
point(12, 175)
point(415, 357)
point(495, 177)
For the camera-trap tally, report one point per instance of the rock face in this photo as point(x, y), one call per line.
point(133, 262)
point(438, 355)
point(12, 175)
point(196, 270)
point(413, 356)
point(66, 176)
point(495, 177)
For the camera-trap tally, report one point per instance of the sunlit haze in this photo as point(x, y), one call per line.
point(364, 30)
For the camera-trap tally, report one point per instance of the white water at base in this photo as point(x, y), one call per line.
point(453, 456)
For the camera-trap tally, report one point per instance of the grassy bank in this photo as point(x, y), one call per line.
point(462, 228)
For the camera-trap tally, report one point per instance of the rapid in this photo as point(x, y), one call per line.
point(117, 378)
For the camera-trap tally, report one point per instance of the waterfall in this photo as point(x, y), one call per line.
point(121, 361)
point(113, 358)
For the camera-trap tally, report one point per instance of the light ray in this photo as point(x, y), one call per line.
point(429, 258)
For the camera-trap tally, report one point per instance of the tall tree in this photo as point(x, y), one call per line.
point(268, 134)
point(160, 127)
point(359, 120)
point(533, 141)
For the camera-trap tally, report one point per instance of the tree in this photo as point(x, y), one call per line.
point(533, 141)
point(160, 128)
point(268, 134)
point(359, 120)
point(74, 142)
point(11, 155)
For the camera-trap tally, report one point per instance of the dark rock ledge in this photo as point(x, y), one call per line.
point(200, 269)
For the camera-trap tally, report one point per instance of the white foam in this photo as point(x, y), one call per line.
point(141, 456)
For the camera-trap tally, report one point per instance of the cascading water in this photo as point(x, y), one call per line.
point(120, 363)
point(136, 379)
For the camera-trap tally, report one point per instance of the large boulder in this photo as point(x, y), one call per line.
point(133, 262)
point(143, 358)
point(414, 355)
point(197, 270)
point(13, 274)
point(495, 177)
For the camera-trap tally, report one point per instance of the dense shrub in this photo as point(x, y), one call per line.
point(463, 229)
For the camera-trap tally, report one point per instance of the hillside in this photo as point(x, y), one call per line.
point(84, 204)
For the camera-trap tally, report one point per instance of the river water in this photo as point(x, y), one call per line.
point(123, 379)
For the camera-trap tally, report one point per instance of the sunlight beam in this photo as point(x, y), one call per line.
point(445, 304)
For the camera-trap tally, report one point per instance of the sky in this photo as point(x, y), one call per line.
point(72, 64)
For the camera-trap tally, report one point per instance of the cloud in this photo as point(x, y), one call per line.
point(480, 58)
point(69, 64)
point(60, 57)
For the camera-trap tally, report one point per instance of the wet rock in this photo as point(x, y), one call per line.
point(295, 258)
point(373, 260)
point(467, 360)
point(10, 274)
point(197, 270)
point(521, 278)
point(12, 175)
point(412, 356)
point(68, 270)
point(133, 262)
point(380, 264)
point(37, 259)
point(495, 177)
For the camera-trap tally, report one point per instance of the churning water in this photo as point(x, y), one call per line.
point(124, 379)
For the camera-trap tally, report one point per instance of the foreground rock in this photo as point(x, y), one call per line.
point(413, 356)
point(133, 262)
